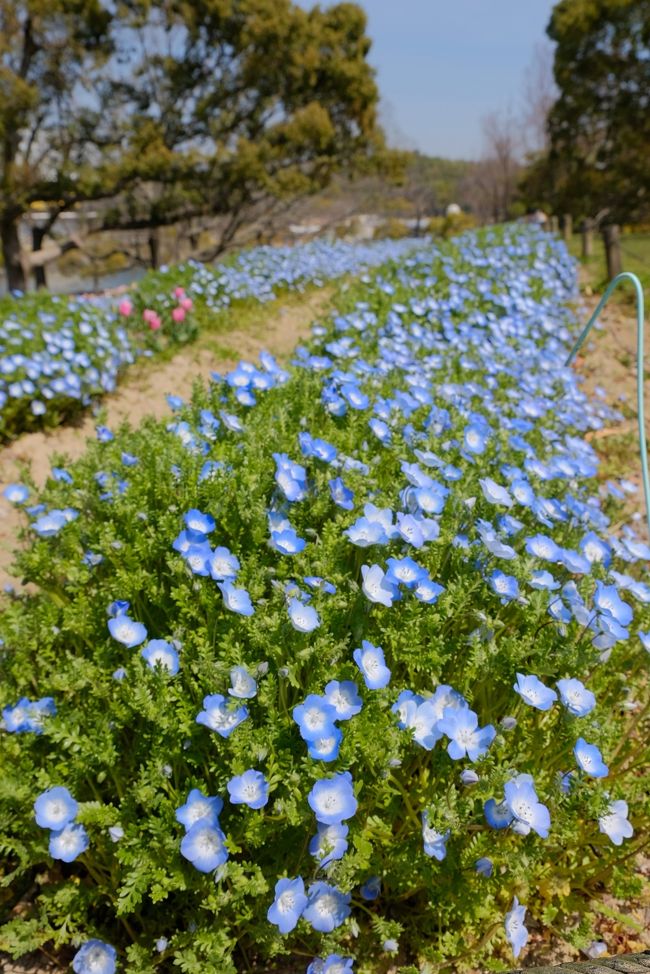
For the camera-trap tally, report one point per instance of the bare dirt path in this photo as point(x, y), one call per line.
point(277, 327)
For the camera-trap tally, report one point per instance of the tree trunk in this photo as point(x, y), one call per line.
point(40, 277)
point(16, 280)
point(154, 248)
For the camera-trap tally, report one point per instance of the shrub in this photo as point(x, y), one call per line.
point(411, 512)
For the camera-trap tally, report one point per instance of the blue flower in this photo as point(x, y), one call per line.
point(95, 957)
point(16, 493)
point(68, 843)
point(303, 617)
point(344, 698)
point(484, 867)
point(608, 601)
point(535, 693)
point(332, 964)
point(287, 542)
point(223, 565)
point(614, 823)
point(516, 931)
point(527, 810)
point(434, 842)
point(199, 808)
point(364, 533)
point(575, 697)
point(494, 493)
point(465, 736)
point(126, 631)
point(326, 748)
point(28, 716)
point(371, 662)
point(250, 788)
point(497, 815)
point(158, 652)
point(55, 808)
point(220, 716)
point(376, 587)
point(242, 684)
point(327, 907)
point(49, 524)
point(542, 547)
point(371, 888)
point(315, 718)
point(104, 435)
point(505, 586)
point(329, 843)
point(204, 846)
point(589, 759)
point(543, 580)
point(288, 905)
point(342, 496)
point(332, 799)
point(405, 571)
point(236, 599)
point(196, 521)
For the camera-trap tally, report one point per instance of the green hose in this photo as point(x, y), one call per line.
point(639, 368)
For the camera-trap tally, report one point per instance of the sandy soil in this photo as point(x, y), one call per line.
point(278, 328)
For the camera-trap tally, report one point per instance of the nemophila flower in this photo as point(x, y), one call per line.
point(595, 549)
point(204, 846)
point(49, 524)
point(250, 788)
point(95, 957)
point(311, 446)
point(55, 808)
point(287, 542)
point(434, 842)
point(332, 799)
point(28, 716)
point(325, 748)
point(574, 562)
point(595, 949)
point(522, 801)
point(484, 867)
point(494, 493)
point(342, 496)
point(469, 777)
point(589, 759)
point(376, 587)
point(371, 662)
point(327, 907)
point(364, 533)
point(614, 823)
point(540, 546)
point(16, 493)
point(315, 717)
point(63, 476)
point(645, 639)
point(223, 565)
point(236, 599)
point(320, 584)
point(575, 697)
point(428, 591)
point(505, 586)
point(411, 529)
point(371, 889)
point(332, 964)
point(475, 439)
point(158, 652)
point(197, 521)
point(543, 580)
point(126, 631)
point(104, 435)
point(199, 808)
point(465, 736)
point(242, 684)
point(329, 844)
point(608, 601)
point(69, 842)
point(535, 693)
point(516, 931)
point(290, 900)
point(344, 698)
point(219, 715)
point(497, 814)
point(197, 557)
point(405, 571)
point(303, 617)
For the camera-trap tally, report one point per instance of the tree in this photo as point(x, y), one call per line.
point(492, 184)
point(176, 110)
point(600, 124)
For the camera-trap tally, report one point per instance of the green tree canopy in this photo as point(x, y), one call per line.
point(600, 124)
point(178, 109)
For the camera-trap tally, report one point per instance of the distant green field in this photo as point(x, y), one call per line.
point(635, 250)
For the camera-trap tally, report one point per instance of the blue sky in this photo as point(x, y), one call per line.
point(444, 64)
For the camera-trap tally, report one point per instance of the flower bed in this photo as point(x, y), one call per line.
point(341, 669)
point(57, 354)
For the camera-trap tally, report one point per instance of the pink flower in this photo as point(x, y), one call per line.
point(179, 292)
point(178, 314)
point(125, 307)
point(186, 303)
point(148, 314)
point(154, 321)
